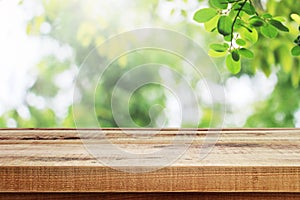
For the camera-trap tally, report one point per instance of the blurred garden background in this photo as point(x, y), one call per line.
point(43, 43)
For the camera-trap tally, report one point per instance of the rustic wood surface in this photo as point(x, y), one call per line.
point(242, 160)
point(150, 196)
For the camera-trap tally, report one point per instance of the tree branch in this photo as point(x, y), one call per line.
point(234, 21)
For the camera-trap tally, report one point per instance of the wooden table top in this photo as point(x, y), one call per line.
point(59, 160)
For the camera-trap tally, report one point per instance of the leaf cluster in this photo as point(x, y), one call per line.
point(296, 49)
point(238, 22)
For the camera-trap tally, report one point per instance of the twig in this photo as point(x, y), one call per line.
point(234, 21)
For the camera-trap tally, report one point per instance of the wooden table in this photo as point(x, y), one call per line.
point(54, 164)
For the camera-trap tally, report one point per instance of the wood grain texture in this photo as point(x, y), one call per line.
point(150, 196)
point(242, 160)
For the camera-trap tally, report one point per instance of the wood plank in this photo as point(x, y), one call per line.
point(242, 160)
point(150, 196)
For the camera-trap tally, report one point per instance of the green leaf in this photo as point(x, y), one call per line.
point(246, 53)
point(218, 47)
point(280, 18)
point(234, 9)
point(226, 45)
point(248, 8)
point(222, 4)
point(237, 6)
point(296, 17)
point(267, 16)
point(256, 21)
point(269, 31)
point(240, 42)
point(227, 38)
point(247, 28)
point(224, 25)
point(249, 36)
point(278, 25)
point(231, 1)
point(233, 66)
point(211, 24)
point(205, 14)
point(235, 55)
point(238, 24)
point(213, 53)
point(296, 51)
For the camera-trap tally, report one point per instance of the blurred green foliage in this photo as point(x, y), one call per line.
point(80, 26)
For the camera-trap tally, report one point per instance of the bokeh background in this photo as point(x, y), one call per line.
point(43, 44)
